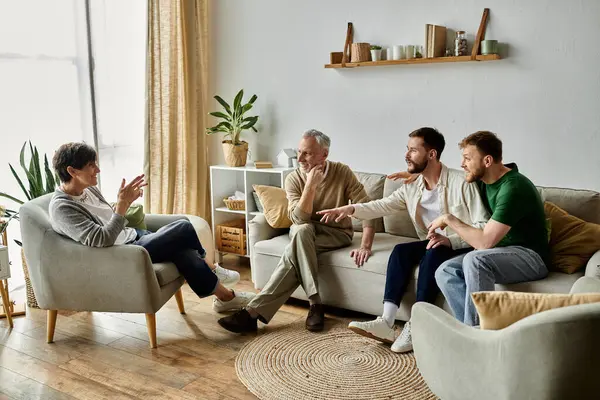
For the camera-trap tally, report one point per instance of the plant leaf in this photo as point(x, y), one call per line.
point(237, 102)
point(214, 130)
point(30, 178)
point(250, 123)
point(245, 108)
point(224, 124)
point(248, 119)
point(8, 196)
point(50, 182)
point(253, 99)
point(219, 114)
point(38, 172)
point(224, 104)
point(20, 183)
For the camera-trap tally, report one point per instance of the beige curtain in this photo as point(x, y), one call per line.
point(176, 153)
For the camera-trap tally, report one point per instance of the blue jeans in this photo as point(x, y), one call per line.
point(401, 265)
point(178, 243)
point(480, 270)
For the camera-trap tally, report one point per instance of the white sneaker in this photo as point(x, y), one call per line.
point(404, 342)
point(377, 329)
point(240, 301)
point(227, 277)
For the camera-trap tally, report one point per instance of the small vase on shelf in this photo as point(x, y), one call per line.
point(375, 53)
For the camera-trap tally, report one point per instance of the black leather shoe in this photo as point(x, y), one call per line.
point(316, 318)
point(240, 322)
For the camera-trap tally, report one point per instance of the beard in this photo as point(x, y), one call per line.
point(475, 174)
point(415, 167)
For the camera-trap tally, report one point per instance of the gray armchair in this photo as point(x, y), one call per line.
point(67, 275)
point(550, 355)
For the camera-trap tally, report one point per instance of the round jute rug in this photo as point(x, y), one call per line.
point(296, 364)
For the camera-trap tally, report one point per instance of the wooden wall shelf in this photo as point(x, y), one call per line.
point(491, 57)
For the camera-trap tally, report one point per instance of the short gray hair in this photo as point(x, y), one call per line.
point(319, 136)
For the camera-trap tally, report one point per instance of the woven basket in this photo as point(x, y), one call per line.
point(31, 300)
point(235, 156)
point(239, 205)
point(360, 52)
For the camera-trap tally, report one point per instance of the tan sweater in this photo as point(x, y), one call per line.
point(339, 187)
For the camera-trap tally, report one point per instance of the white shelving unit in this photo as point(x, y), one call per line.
point(225, 180)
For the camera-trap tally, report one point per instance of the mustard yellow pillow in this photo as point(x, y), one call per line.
point(497, 310)
point(573, 241)
point(275, 204)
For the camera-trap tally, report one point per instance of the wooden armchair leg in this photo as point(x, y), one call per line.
point(179, 298)
point(151, 325)
point(51, 325)
point(6, 301)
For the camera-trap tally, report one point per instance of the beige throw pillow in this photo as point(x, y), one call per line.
point(497, 310)
point(275, 204)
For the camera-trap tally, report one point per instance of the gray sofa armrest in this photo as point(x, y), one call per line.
point(155, 221)
point(544, 356)
point(259, 230)
point(68, 275)
point(593, 266)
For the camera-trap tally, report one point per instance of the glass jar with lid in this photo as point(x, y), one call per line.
point(460, 44)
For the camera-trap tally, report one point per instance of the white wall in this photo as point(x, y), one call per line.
point(543, 99)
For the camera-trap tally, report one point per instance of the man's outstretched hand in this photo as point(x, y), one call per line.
point(407, 176)
point(336, 214)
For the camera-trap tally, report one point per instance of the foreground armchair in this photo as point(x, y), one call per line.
point(67, 275)
point(550, 355)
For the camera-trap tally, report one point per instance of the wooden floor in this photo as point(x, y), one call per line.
point(107, 355)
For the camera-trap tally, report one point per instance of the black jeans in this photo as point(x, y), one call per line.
point(178, 243)
point(401, 265)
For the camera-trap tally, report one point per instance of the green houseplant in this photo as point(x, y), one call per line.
point(233, 123)
point(37, 183)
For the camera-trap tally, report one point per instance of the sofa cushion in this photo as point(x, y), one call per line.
point(573, 241)
point(497, 310)
point(555, 282)
point(383, 244)
point(584, 204)
point(373, 184)
point(400, 223)
point(165, 272)
point(275, 205)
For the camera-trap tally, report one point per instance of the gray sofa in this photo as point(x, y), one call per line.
point(549, 355)
point(342, 284)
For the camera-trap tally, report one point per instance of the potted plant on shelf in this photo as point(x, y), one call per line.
point(39, 182)
point(232, 125)
point(375, 53)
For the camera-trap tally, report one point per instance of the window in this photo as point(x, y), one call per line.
point(118, 31)
point(49, 94)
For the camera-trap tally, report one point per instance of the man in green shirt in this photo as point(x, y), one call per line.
point(512, 247)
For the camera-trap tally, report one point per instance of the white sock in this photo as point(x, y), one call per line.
point(389, 312)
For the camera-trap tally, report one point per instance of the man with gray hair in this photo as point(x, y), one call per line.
point(317, 184)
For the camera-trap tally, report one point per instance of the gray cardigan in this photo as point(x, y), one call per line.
point(70, 218)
